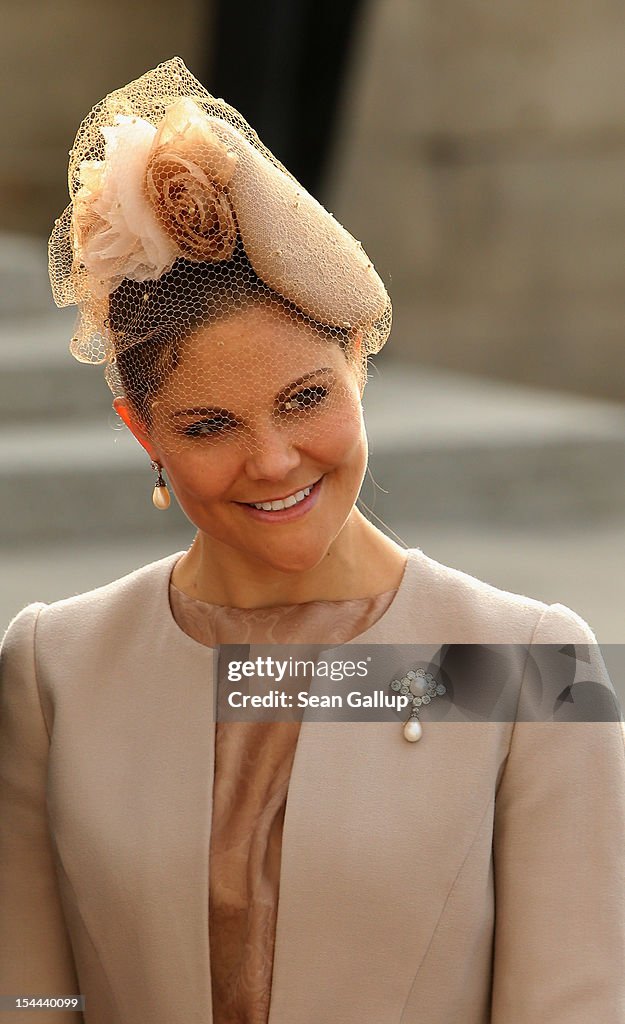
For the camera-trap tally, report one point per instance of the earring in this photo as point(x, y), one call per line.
point(160, 494)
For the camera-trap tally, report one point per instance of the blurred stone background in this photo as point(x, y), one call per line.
point(479, 156)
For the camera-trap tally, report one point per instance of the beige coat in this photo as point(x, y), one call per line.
point(475, 876)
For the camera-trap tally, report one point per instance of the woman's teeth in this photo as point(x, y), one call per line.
point(293, 499)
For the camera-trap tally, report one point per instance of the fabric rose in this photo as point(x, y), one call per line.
point(186, 180)
point(115, 232)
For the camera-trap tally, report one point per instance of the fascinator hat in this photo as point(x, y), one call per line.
point(180, 216)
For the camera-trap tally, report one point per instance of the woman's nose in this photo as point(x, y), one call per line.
point(272, 454)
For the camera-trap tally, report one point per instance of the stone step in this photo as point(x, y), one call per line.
point(443, 448)
point(39, 379)
point(24, 283)
point(451, 447)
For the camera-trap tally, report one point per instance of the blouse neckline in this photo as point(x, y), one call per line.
point(380, 626)
point(279, 607)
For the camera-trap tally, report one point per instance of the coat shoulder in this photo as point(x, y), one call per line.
point(113, 602)
point(458, 607)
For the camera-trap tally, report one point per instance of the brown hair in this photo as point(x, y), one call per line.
point(162, 313)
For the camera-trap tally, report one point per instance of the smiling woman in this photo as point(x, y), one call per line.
point(170, 864)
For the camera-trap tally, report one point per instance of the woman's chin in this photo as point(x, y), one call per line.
point(294, 562)
point(294, 556)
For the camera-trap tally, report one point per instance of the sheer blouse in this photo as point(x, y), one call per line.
point(253, 762)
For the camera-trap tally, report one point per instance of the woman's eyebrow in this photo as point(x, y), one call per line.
point(202, 410)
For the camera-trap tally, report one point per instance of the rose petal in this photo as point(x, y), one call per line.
point(187, 173)
point(116, 233)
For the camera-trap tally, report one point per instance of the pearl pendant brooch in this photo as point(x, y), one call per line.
point(413, 730)
point(419, 687)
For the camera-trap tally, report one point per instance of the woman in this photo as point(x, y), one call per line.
point(171, 867)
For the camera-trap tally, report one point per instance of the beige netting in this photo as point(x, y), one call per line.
point(230, 308)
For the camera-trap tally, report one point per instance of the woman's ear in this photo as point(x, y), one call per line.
point(125, 411)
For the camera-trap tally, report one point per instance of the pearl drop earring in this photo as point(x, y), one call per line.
point(160, 495)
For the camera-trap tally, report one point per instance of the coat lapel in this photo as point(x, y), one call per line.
point(376, 831)
point(133, 818)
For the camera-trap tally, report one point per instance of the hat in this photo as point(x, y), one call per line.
point(161, 170)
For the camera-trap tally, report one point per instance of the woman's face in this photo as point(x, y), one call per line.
point(261, 407)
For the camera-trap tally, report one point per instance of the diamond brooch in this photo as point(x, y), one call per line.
point(420, 688)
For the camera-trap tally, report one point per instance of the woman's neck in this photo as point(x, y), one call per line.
point(361, 562)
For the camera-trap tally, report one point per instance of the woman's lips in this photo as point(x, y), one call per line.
point(284, 515)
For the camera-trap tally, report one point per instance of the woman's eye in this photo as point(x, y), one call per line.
point(307, 398)
point(209, 426)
